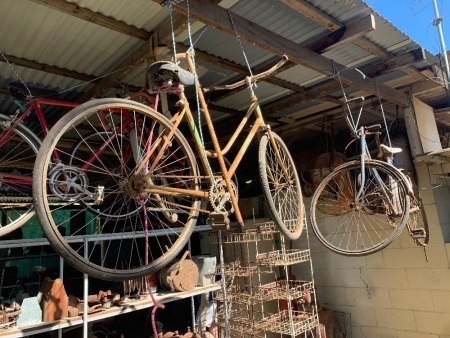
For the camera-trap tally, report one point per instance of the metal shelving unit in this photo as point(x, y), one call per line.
point(258, 307)
point(162, 297)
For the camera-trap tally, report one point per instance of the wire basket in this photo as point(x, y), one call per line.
point(284, 289)
point(282, 257)
point(289, 322)
point(236, 270)
point(241, 322)
point(235, 294)
point(248, 236)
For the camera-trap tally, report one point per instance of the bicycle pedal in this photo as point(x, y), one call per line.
point(218, 221)
point(418, 233)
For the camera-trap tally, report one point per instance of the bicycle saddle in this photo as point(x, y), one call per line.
point(167, 73)
point(385, 150)
point(22, 92)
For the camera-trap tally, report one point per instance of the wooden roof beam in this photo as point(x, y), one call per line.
point(325, 20)
point(251, 32)
point(345, 34)
point(97, 18)
point(332, 40)
point(141, 54)
point(322, 91)
point(48, 69)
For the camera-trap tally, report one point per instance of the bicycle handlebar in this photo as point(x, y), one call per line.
point(250, 79)
point(375, 126)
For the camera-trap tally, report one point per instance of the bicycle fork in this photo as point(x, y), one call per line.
point(389, 190)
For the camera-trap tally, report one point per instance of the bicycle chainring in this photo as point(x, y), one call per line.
point(68, 182)
point(219, 196)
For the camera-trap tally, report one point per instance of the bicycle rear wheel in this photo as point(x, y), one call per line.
point(97, 211)
point(281, 185)
point(361, 226)
point(17, 156)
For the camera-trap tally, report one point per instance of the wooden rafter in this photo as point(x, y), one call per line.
point(97, 18)
point(48, 69)
point(251, 32)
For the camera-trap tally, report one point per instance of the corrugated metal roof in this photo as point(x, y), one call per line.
point(38, 33)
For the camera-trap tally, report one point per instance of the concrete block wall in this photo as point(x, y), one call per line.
point(394, 293)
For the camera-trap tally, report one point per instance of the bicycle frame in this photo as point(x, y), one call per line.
point(360, 133)
point(258, 125)
point(35, 105)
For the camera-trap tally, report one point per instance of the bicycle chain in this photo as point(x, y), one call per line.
point(24, 199)
point(16, 199)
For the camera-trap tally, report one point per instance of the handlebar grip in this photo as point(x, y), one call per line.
point(250, 79)
point(375, 126)
point(270, 71)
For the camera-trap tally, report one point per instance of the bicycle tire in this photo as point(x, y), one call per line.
point(363, 227)
point(118, 251)
point(17, 156)
point(283, 195)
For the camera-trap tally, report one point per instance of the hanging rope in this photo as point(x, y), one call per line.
point(240, 43)
point(383, 115)
point(174, 45)
point(17, 74)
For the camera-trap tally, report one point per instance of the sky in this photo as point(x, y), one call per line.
point(415, 19)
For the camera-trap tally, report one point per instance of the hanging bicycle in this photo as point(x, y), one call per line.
point(134, 171)
point(363, 205)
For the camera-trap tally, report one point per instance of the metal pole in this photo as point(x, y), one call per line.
point(224, 286)
point(437, 22)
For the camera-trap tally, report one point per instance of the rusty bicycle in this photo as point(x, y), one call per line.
point(365, 204)
point(134, 163)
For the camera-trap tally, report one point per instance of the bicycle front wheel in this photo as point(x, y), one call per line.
point(17, 156)
point(355, 212)
point(281, 185)
point(101, 203)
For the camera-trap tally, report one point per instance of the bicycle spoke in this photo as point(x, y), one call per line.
point(96, 180)
point(352, 225)
point(281, 186)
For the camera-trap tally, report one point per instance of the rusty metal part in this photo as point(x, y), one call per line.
point(220, 198)
point(180, 276)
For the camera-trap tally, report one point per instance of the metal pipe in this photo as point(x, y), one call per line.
point(437, 22)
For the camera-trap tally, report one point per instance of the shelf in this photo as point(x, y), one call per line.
point(290, 323)
point(281, 289)
point(236, 270)
point(441, 156)
point(284, 289)
point(248, 236)
point(282, 257)
point(161, 297)
point(17, 243)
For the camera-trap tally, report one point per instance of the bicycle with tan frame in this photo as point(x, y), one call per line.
point(163, 188)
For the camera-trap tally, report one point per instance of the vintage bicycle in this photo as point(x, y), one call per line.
point(19, 145)
point(134, 163)
point(365, 204)
point(18, 148)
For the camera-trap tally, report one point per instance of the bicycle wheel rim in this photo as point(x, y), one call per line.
point(122, 253)
point(357, 228)
point(17, 157)
point(283, 194)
